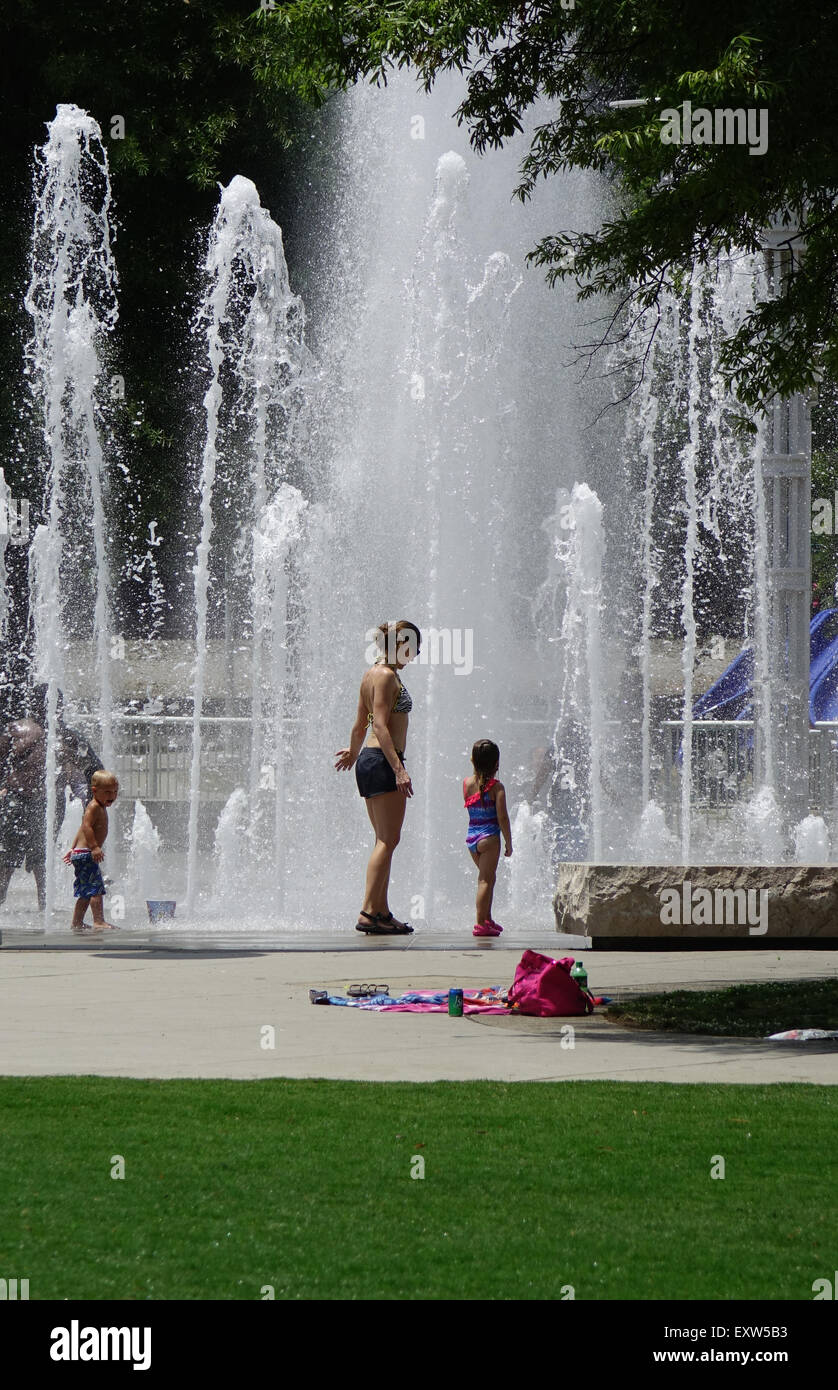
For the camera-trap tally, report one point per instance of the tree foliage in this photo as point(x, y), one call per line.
point(179, 73)
point(676, 203)
point(172, 87)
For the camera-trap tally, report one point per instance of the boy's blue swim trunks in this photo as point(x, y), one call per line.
point(89, 882)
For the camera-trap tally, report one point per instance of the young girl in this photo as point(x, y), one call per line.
point(485, 801)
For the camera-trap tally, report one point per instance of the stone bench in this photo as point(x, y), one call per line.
point(733, 904)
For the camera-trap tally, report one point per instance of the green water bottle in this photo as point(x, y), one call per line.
point(579, 974)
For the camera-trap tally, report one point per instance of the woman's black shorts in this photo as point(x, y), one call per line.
point(374, 774)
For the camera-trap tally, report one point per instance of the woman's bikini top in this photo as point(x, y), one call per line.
point(401, 705)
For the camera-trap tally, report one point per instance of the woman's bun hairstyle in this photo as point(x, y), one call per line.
point(398, 641)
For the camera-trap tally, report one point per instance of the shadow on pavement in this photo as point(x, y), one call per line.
point(178, 955)
point(589, 1030)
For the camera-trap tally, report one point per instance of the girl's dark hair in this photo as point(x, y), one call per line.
point(485, 758)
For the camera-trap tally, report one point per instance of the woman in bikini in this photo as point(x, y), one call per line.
point(383, 782)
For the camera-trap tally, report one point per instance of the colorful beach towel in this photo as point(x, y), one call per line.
point(489, 1000)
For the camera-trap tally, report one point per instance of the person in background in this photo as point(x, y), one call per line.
point(562, 780)
point(23, 797)
point(23, 805)
point(77, 760)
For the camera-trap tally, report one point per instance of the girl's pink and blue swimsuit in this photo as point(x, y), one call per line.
point(482, 816)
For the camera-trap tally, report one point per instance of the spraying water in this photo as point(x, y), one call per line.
point(277, 530)
point(648, 419)
point(811, 841)
point(762, 832)
point(144, 856)
point(230, 864)
point(531, 840)
point(655, 842)
point(72, 302)
point(415, 486)
point(686, 489)
point(5, 511)
point(574, 587)
point(253, 328)
point(449, 389)
point(689, 458)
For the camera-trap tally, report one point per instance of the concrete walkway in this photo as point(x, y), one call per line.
point(146, 1013)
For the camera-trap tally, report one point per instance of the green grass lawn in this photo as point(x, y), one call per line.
point(306, 1186)
point(742, 1011)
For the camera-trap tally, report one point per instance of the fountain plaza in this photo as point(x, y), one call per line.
point(398, 429)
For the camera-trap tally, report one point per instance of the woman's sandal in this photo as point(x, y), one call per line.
point(383, 926)
point(372, 918)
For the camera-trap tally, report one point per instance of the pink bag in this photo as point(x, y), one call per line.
point(543, 987)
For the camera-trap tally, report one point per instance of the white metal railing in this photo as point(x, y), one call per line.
point(153, 756)
point(153, 759)
point(723, 763)
point(824, 778)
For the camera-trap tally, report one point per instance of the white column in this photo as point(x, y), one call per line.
point(786, 480)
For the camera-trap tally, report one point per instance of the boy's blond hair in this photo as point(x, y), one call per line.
point(104, 779)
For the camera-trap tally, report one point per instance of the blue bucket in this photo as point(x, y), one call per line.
point(160, 910)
